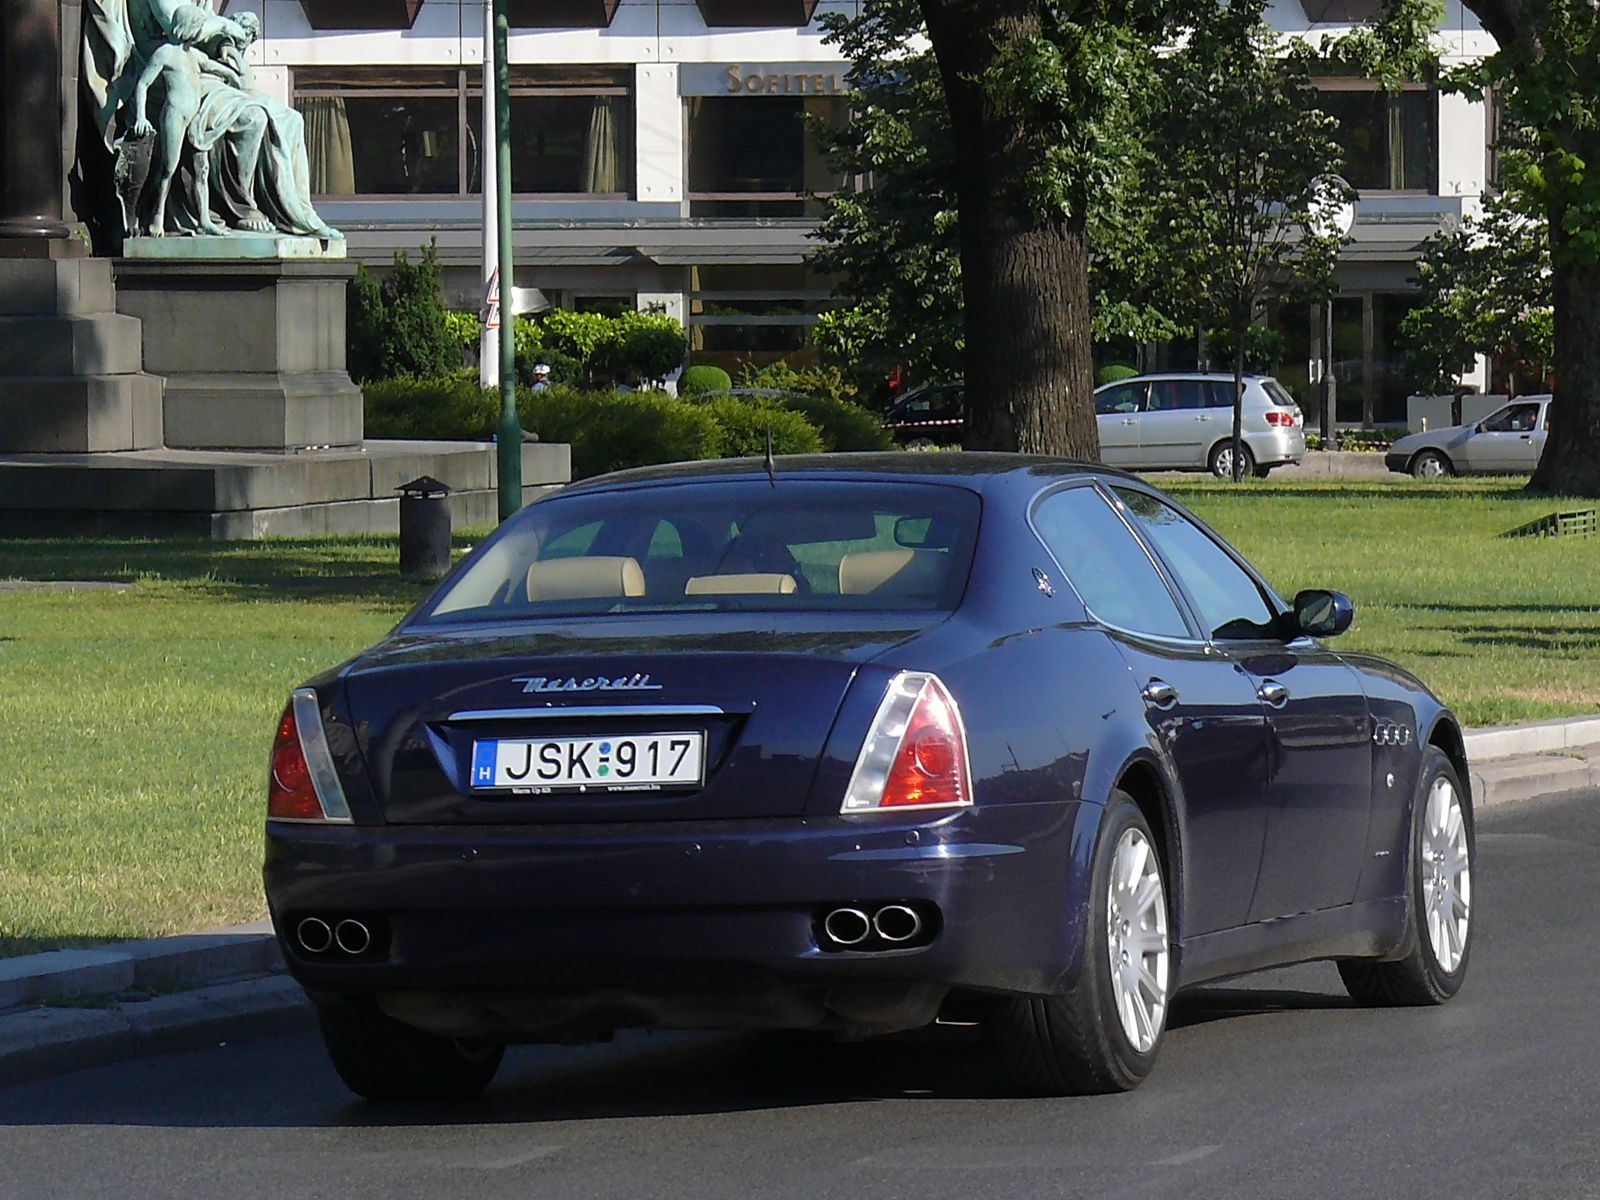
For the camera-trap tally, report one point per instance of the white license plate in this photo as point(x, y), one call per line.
point(632, 761)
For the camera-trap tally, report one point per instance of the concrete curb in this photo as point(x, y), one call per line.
point(67, 1009)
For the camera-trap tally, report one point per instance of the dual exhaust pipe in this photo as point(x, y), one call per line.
point(317, 936)
point(893, 924)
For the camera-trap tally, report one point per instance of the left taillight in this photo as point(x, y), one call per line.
point(302, 784)
point(1285, 418)
point(915, 755)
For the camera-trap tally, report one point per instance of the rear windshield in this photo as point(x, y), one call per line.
point(1277, 394)
point(736, 545)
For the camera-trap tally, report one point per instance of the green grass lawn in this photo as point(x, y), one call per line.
point(137, 721)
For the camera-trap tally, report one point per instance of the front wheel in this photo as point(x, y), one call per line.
point(382, 1059)
point(1438, 935)
point(1103, 1034)
point(1221, 460)
point(1430, 464)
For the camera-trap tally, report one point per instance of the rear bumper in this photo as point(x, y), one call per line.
point(539, 931)
point(1277, 447)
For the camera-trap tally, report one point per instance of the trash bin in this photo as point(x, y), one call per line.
point(424, 527)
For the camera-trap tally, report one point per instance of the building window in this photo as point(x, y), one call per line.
point(757, 156)
point(418, 132)
point(754, 314)
point(1390, 139)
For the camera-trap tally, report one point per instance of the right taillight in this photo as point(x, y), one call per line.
point(915, 755)
point(302, 784)
point(1282, 417)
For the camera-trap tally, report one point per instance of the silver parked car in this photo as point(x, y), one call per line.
point(1506, 442)
point(1185, 422)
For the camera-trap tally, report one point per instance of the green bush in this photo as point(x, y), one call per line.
point(745, 424)
point(611, 431)
point(828, 381)
point(843, 426)
point(650, 347)
point(449, 408)
point(1114, 372)
point(703, 379)
point(465, 329)
point(397, 327)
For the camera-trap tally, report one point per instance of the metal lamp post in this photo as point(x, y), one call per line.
point(30, 151)
point(510, 438)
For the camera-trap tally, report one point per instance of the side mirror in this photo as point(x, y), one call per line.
point(1323, 614)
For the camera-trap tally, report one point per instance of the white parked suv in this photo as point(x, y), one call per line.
point(1184, 422)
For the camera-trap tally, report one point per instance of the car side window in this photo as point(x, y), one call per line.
point(1221, 393)
point(1231, 604)
point(1122, 398)
point(1516, 418)
point(1106, 564)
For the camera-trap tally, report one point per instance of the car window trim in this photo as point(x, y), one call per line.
point(1275, 602)
point(1185, 610)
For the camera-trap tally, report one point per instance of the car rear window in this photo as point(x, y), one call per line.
point(1277, 394)
point(734, 545)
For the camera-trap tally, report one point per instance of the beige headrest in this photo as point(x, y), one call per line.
point(892, 573)
point(740, 585)
point(583, 578)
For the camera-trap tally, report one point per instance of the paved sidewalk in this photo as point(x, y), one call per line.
point(76, 1008)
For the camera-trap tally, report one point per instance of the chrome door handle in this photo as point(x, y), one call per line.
point(1159, 694)
point(1128, 421)
point(1273, 693)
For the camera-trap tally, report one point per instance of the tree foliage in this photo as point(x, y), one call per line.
point(1484, 288)
point(396, 327)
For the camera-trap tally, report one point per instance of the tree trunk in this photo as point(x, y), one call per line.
point(1239, 331)
point(1570, 464)
point(1029, 360)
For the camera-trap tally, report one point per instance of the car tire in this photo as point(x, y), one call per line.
point(383, 1059)
point(1431, 464)
point(1089, 1040)
point(1438, 937)
point(1220, 462)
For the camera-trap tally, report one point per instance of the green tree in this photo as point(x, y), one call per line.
point(1249, 168)
point(1546, 71)
point(397, 326)
point(1042, 97)
point(1484, 288)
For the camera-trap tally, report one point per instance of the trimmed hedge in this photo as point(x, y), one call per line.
point(1114, 373)
point(448, 409)
point(703, 379)
point(611, 431)
point(843, 426)
point(745, 424)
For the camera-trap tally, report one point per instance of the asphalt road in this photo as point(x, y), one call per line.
point(1271, 1087)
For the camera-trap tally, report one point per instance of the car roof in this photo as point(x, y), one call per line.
point(1221, 376)
point(967, 468)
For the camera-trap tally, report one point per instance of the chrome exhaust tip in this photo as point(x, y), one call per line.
point(352, 936)
point(846, 926)
point(314, 935)
point(897, 923)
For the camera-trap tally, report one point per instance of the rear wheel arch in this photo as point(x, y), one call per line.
point(1142, 781)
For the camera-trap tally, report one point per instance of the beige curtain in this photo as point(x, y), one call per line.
point(602, 152)
point(328, 151)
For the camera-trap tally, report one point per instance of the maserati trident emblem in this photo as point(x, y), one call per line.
point(591, 683)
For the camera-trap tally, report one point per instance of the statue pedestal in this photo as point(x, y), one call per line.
point(70, 378)
point(253, 349)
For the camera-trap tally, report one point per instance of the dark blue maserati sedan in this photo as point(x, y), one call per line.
point(838, 744)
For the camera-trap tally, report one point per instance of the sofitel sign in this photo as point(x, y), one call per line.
point(770, 79)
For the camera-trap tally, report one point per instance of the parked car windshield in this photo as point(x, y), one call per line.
point(731, 545)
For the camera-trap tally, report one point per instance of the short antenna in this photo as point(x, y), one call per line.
point(772, 466)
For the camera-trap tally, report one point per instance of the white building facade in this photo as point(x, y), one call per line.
point(662, 160)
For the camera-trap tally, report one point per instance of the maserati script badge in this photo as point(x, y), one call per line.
point(593, 683)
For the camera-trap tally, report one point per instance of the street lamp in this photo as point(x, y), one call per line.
point(1335, 213)
point(510, 437)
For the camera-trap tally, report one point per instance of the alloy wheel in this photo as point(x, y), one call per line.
point(1136, 942)
point(1446, 876)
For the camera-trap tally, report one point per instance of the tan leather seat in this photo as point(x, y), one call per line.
point(585, 578)
point(751, 584)
point(892, 573)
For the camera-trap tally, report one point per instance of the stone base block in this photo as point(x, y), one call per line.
point(235, 246)
point(73, 287)
point(251, 350)
point(101, 344)
point(185, 493)
point(262, 411)
point(80, 413)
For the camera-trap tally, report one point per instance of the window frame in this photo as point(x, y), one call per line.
point(1275, 603)
point(1334, 83)
point(467, 92)
point(1180, 598)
